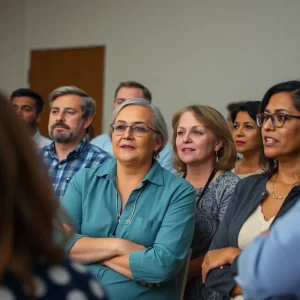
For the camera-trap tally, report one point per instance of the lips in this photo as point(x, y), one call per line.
point(127, 147)
point(240, 143)
point(188, 150)
point(269, 141)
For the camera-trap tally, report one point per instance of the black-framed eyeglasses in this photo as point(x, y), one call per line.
point(277, 119)
point(135, 129)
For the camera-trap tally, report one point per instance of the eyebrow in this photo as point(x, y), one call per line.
point(65, 108)
point(136, 122)
point(193, 127)
point(278, 110)
point(245, 122)
point(25, 105)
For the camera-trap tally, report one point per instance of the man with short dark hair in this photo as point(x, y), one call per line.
point(29, 105)
point(125, 91)
point(71, 113)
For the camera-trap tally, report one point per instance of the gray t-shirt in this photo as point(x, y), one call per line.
point(209, 214)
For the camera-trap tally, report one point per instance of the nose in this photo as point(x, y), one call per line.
point(18, 110)
point(240, 131)
point(127, 133)
point(268, 125)
point(60, 117)
point(186, 138)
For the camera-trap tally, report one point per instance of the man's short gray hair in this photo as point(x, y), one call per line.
point(159, 123)
point(88, 105)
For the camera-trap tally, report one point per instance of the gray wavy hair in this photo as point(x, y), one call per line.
point(88, 105)
point(159, 122)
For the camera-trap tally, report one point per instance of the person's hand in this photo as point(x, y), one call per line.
point(126, 247)
point(150, 284)
point(217, 259)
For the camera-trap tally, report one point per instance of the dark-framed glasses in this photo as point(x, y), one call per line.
point(135, 129)
point(277, 119)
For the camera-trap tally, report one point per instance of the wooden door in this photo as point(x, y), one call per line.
point(82, 67)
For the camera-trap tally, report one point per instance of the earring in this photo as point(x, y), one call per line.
point(155, 154)
point(217, 158)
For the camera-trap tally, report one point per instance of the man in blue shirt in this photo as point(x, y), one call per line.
point(270, 267)
point(125, 91)
point(71, 113)
point(29, 105)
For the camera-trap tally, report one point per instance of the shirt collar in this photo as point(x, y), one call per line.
point(75, 153)
point(155, 174)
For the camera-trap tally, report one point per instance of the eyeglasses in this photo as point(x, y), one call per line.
point(277, 119)
point(135, 129)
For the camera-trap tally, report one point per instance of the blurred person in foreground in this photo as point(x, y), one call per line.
point(32, 265)
point(269, 266)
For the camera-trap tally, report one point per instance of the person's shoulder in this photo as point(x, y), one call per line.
point(46, 140)
point(86, 174)
point(229, 177)
point(167, 149)
point(175, 180)
point(98, 140)
point(98, 152)
point(44, 151)
point(68, 278)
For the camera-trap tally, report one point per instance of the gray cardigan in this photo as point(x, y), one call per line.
point(248, 194)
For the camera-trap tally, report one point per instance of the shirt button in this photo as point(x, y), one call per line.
point(59, 166)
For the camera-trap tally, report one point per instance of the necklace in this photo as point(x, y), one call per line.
point(133, 210)
point(272, 190)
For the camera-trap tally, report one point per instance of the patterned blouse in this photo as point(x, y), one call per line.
point(210, 212)
point(66, 281)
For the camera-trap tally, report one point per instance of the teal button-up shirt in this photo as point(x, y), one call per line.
point(162, 221)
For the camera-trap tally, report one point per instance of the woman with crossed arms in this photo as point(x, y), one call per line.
point(133, 219)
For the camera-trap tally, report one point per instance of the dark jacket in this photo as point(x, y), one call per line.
point(248, 194)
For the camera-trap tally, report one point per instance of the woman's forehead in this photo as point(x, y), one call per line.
point(134, 114)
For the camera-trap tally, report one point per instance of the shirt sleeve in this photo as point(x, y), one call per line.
point(72, 206)
point(222, 280)
point(165, 259)
point(269, 265)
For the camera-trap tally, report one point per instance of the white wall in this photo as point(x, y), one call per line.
point(12, 41)
point(193, 51)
